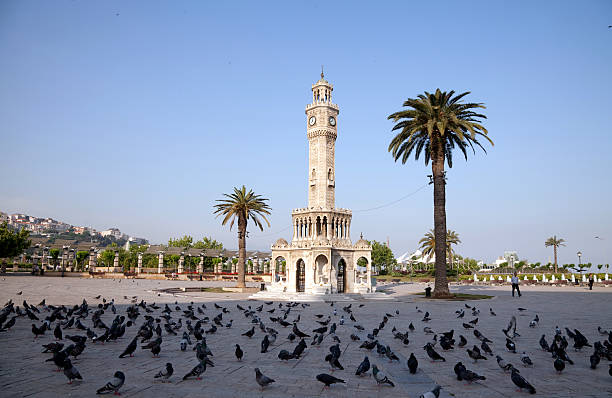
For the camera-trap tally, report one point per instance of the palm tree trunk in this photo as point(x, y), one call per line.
point(241, 251)
point(437, 165)
point(555, 250)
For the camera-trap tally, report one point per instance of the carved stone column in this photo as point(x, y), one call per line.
point(181, 264)
point(201, 264)
point(92, 258)
point(160, 263)
point(139, 268)
point(116, 259)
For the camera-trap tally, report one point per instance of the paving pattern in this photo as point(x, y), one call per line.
point(23, 372)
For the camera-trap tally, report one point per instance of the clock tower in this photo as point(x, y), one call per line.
point(321, 128)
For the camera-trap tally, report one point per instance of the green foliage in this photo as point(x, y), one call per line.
point(81, 256)
point(184, 242)
point(13, 243)
point(54, 253)
point(382, 256)
point(362, 262)
point(208, 243)
point(428, 243)
point(107, 258)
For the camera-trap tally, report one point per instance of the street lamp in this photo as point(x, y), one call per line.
point(579, 257)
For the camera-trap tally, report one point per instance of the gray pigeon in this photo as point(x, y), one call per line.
point(71, 372)
point(166, 373)
point(328, 380)
point(435, 393)
point(114, 385)
point(363, 367)
point(380, 377)
point(197, 371)
point(261, 379)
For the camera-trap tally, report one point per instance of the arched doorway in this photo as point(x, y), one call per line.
point(320, 268)
point(341, 281)
point(361, 271)
point(300, 276)
point(280, 265)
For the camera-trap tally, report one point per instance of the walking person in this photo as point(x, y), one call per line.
point(515, 285)
point(591, 281)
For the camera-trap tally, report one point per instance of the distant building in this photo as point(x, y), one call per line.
point(114, 232)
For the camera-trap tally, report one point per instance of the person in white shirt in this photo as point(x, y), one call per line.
point(515, 285)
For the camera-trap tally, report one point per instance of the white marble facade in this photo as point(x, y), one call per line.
point(320, 259)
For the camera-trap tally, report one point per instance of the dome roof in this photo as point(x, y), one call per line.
point(280, 242)
point(362, 243)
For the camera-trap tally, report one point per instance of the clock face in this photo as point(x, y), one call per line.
point(332, 120)
point(312, 120)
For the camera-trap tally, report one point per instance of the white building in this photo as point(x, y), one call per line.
point(321, 259)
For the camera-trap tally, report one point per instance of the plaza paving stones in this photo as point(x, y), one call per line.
point(23, 372)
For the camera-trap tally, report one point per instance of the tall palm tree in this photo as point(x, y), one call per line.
point(434, 125)
point(555, 243)
point(242, 205)
point(428, 243)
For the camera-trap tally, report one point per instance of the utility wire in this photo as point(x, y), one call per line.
point(357, 211)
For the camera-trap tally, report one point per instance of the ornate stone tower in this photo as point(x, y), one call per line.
point(321, 117)
point(321, 259)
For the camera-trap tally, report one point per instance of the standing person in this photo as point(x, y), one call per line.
point(591, 281)
point(515, 285)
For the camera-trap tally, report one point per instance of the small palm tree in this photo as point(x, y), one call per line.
point(242, 205)
point(433, 126)
point(428, 243)
point(555, 243)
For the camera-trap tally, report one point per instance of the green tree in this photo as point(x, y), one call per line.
point(208, 243)
point(54, 253)
point(433, 126)
point(428, 244)
point(107, 257)
point(555, 243)
point(81, 256)
point(13, 243)
point(242, 206)
point(184, 242)
point(382, 256)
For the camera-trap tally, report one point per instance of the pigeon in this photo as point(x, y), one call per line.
point(265, 343)
point(299, 349)
point(520, 382)
point(166, 373)
point(462, 341)
point(510, 345)
point(481, 337)
point(412, 363)
point(285, 355)
point(503, 364)
point(559, 365)
point(57, 332)
point(328, 380)
point(197, 371)
point(52, 347)
point(363, 367)
point(380, 377)
point(129, 350)
point(464, 374)
point(435, 393)
point(38, 331)
point(526, 360)
point(491, 312)
point(239, 353)
point(71, 372)
point(610, 369)
point(475, 355)
point(114, 385)
point(298, 332)
point(595, 358)
point(261, 379)
point(485, 347)
point(333, 361)
point(467, 326)
point(473, 321)
point(249, 333)
point(544, 343)
point(432, 353)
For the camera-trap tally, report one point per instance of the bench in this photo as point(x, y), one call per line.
point(257, 279)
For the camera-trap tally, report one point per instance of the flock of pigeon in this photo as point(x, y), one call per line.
point(148, 324)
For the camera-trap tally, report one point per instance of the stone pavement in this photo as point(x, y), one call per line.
point(23, 372)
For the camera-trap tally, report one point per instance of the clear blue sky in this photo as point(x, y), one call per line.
point(142, 120)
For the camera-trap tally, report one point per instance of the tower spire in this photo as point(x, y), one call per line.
point(322, 76)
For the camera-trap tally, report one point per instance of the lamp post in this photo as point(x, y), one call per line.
point(579, 254)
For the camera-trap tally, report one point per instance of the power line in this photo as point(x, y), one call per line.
point(357, 211)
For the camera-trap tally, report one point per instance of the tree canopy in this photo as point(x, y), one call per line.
point(13, 243)
point(187, 241)
point(382, 255)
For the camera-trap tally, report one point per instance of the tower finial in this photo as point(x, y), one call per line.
point(322, 76)
point(361, 235)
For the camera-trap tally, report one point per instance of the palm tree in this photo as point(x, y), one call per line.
point(555, 243)
point(242, 205)
point(434, 125)
point(428, 244)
